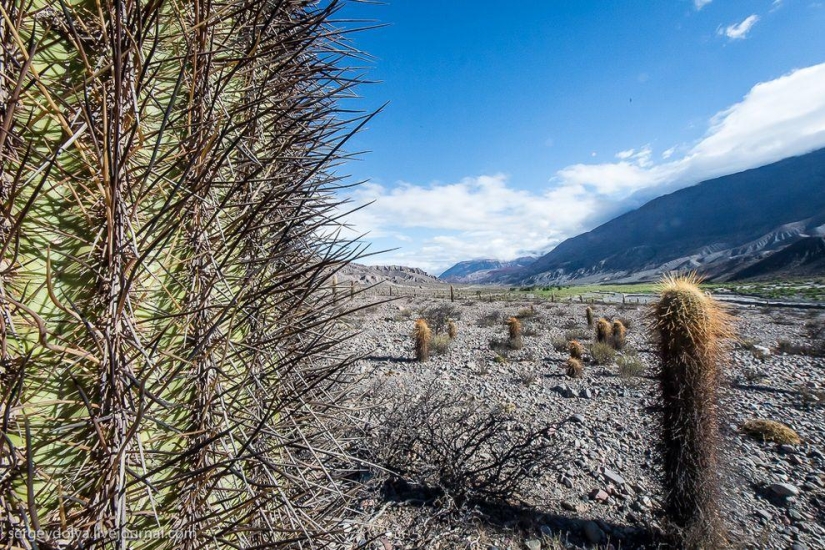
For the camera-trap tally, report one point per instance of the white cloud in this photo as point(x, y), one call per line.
point(486, 216)
point(699, 4)
point(739, 31)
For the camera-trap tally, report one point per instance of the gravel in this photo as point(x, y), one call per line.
point(772, 496)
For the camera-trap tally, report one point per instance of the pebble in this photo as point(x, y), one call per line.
point(784, 489)
point(533, 544)
point(613, 477)
point(599, 495)
point(577, 418)
point(764, 514)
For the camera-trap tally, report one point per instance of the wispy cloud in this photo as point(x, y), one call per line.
point(739, 31)
point(487, 216)
point(699, 4)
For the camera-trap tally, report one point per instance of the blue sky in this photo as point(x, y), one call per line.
point(512, 126)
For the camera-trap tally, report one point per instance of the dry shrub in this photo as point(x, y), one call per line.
point(602, 354)
point(440, 344)
point(630, 365)
point(559, 343)
point(443, 439)
point(438, 317)
point(770, 430)
point(577, 334)
point(491, 319)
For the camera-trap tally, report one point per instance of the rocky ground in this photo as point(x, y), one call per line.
point(605, 494)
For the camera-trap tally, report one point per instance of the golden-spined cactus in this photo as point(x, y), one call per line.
point(618, 335)
point(452, 329)
point(515, 340)
point(422, 336)
point(690, 329)
point(603, 331)
point(574, 368)
point(576, 349)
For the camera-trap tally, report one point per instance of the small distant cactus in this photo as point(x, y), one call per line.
point(588, 313)
point(452, 329)
point(515, 339)
point(574, 368)
point(422, 335)
point(576, 349)
point(452, 294)
point(689, 327)
point(603, 331)
point(618, 335)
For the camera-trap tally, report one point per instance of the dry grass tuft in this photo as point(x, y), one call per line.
point(770, 430)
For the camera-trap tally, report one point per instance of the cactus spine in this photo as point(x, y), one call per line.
point(690, 327)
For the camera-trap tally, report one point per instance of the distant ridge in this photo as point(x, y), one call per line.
point(480, 271)
point(741, 225)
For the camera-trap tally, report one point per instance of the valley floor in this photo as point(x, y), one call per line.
point(605, 493)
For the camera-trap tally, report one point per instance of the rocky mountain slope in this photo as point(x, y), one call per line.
point(480, 271)
point(392, 274)
point(721, 228)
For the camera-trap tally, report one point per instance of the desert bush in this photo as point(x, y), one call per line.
point(500, 345)
point(443, 439)
point(559, 343)
point(817, 349)
point(492, 319)
point(440, 344)
point(526, 313)
point(422, 336)
point(574, 368)
point(618, 335)
point(500, 358)
point(602, 354)
point(439, 316)
point(577, 334)
point(603, 331)
point(576, 349)
point(689, 328)
point(630, 366)
point(770, 430)
point(514, 338)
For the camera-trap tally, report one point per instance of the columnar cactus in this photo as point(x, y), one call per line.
point(690, 328)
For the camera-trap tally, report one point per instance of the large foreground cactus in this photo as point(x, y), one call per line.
point(690, 328)
point(168, 349)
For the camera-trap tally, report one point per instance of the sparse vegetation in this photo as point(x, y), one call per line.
point(577, 334)
point(770, 430)
point(528, 377)
point(689, 327)
point(440, 344)
point(630, 366)
point(602, 354)
point(422, 336)
point(559, 343)
point(454, 446)
point(439, 316)
point(492, 319)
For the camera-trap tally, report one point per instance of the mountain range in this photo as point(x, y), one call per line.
point(761, 223)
